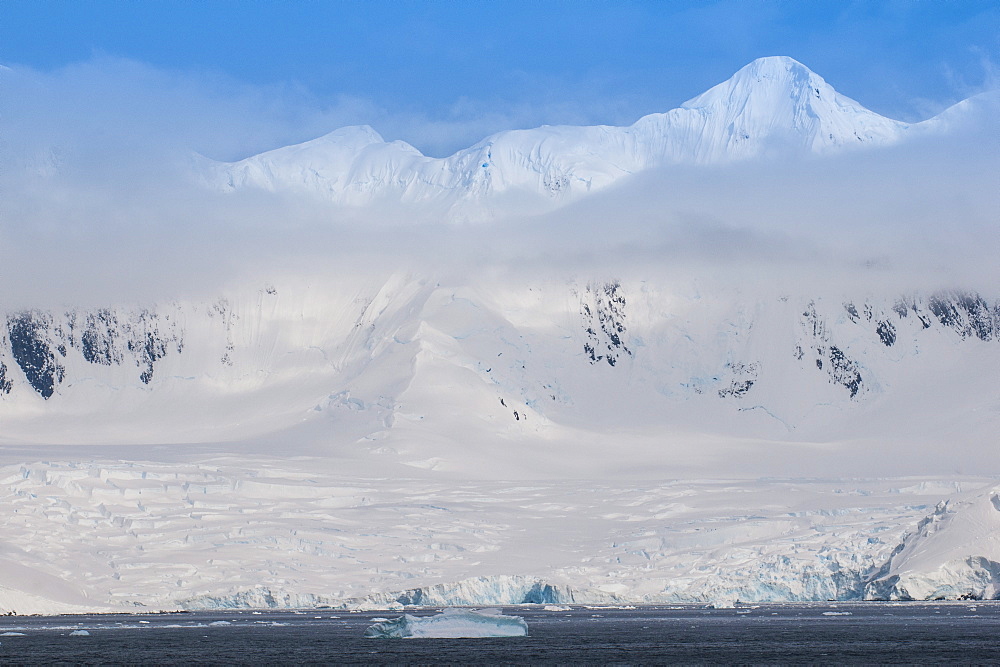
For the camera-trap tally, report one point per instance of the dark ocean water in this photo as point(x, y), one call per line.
point(929, 633)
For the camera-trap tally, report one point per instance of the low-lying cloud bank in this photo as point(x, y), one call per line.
point(102, 203)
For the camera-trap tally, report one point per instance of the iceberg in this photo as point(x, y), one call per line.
point(451, 623)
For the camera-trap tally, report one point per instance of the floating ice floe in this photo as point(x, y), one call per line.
point(723, 603)
point(451, 623)
point(79, 633)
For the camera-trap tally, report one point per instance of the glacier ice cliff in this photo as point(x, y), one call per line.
point(267, 532)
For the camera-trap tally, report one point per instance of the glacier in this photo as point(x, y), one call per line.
point(237, 532)
point(451, 623)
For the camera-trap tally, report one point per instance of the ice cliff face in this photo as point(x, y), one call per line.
point(953, 553)
point(772, 106)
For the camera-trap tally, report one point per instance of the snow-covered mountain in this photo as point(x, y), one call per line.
point(352, 442)
point(416, 368)
point(773, 106)
point(363, 434)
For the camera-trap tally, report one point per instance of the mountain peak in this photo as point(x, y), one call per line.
point(773, 78)
point(772, 106)
point(779, 99)
point(775, 63)
point(351, 137)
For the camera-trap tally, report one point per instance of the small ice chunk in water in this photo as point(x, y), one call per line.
point(219, 623)
point(555, 607)
point(79, 633)
point(723, 603)
point(451, 623)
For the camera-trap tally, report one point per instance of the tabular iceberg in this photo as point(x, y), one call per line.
point(451, 623)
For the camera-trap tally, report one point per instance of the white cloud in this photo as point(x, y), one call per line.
point(99, 203)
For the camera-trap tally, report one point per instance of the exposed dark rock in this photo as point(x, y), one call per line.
point(844, 371)
point(841, 369)
point(967, 313)
point(744, 377)
point(886, 332)
point(104, 337)
point(604, 323)
point(31, 349)
point(5, 384)
point(98, 340)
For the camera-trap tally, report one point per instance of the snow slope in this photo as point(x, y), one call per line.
point(771, 107)
point(452, 376)
point(953, 553)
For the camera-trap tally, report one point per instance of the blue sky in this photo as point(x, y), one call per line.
point(443, 74)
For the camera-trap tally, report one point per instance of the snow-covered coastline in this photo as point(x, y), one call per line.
point(259, 533)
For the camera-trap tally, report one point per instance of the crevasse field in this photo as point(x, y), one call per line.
point(540, 370)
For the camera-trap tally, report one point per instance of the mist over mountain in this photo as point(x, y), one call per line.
point(770, 280)
point(769, 188)
point(177, 224)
